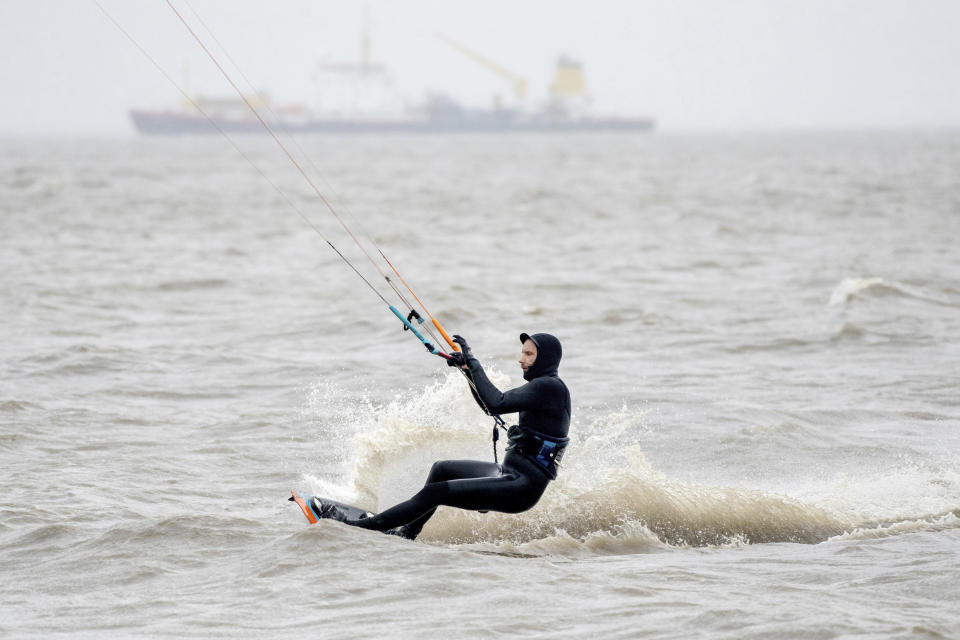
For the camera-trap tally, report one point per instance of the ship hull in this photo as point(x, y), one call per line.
point(169, 123)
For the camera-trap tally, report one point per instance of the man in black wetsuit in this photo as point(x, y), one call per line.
point(535, 449)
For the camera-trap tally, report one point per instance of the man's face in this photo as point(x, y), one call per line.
point(528, 355)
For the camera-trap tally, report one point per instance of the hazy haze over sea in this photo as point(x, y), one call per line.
point(760, 337)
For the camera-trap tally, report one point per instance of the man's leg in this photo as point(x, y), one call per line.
point(450, 470)
point(415, 512)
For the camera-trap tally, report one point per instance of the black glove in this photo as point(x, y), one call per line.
point(456, 359)
point(464, 347)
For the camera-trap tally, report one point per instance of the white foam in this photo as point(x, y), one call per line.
point(886, 530)
point(623, 539)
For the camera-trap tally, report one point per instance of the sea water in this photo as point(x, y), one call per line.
point(760, 337)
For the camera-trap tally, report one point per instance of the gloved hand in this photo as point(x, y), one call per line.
point(464, 347)
point(456, 359)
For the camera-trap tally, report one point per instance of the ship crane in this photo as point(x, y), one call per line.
point(518, 83)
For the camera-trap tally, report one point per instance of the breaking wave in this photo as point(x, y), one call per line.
point(852, 289)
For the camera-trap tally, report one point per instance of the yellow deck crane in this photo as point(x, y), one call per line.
point(568, 92)
point(518, 83)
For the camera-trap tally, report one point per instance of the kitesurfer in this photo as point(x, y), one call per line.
point(536, 445)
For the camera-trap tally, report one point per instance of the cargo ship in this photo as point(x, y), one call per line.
point(564, 111)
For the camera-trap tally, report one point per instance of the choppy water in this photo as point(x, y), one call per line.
point(760, 337)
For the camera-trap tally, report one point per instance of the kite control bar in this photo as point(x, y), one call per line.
point(407, 326)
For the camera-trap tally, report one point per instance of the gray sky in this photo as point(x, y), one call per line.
point(692, 64)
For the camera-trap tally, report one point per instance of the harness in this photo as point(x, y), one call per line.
point(543, 450)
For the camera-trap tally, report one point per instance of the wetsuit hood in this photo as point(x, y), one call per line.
point(549, 353)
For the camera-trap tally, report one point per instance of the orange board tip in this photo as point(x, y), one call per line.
point(304, 507)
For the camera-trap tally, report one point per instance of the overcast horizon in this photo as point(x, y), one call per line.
point(692, 65)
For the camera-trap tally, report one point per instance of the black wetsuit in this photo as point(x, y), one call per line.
point(516, 485)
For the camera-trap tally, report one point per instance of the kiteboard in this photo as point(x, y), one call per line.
point(316, 509)
point(313, 508)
